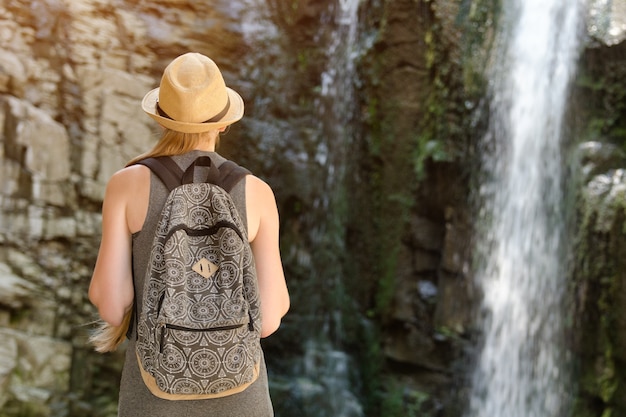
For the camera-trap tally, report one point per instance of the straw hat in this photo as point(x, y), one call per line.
point(193, 97)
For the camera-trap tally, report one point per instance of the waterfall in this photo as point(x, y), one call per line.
point(522, 371)
point(320, 382)
point(324, 361)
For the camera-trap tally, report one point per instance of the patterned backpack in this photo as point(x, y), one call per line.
point(198, 332)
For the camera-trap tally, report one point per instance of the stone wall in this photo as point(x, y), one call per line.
point(409, 198)
point(72, 74)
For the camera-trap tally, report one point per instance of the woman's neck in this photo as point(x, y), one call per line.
point(206, 147)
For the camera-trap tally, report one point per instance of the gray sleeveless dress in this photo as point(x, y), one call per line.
point(135, 399)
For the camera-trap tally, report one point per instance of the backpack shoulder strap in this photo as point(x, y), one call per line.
point(231, 174)
point(166, 169)
point(172, 176)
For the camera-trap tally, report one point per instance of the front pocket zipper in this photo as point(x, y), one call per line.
point(165, 326)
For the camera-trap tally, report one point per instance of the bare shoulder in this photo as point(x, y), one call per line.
point(261, 207)
point(258, 190)
point(259, 194)
point(132, 172)
point(128, 179)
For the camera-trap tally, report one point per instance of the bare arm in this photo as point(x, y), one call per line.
point(111, 288)
point(263, 228)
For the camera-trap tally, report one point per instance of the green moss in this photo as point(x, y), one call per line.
point(393, 403)
point(391, 163)
point(387, 285)
point(400, 401)
point(606, 377)
point(428, 148)
point(478, 18)
point(598, 274)
point(14, 408)
point(456, 85)
point(602, 83)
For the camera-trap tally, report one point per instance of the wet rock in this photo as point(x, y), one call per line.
point(599, 157)
point(607, 21)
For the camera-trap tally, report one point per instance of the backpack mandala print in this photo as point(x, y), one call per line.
point(198, 332)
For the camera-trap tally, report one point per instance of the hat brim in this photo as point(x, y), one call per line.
point(234, 113)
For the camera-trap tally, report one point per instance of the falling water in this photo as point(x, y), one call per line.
point(521, 371)
point(324, 361)
point(322, 383)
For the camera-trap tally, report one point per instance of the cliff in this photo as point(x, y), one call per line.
point(373, 172)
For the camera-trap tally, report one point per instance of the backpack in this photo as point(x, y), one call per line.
point(198, 332)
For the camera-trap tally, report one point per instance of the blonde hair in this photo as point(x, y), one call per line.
point(176, 143)
point(107, 338)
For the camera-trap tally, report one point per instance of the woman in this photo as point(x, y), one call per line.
point(193, 105)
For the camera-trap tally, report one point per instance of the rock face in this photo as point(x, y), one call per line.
point(601, 289)
point(607, 21)
point(598, 273)
point(72, 74)
point(376, 228)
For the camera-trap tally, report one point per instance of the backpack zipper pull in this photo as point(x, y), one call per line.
point(162, 327)
point(251, 322)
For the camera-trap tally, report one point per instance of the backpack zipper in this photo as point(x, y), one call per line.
point(188, 329)
point(211, 329)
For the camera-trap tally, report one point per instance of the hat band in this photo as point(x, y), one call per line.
point(213, 119)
